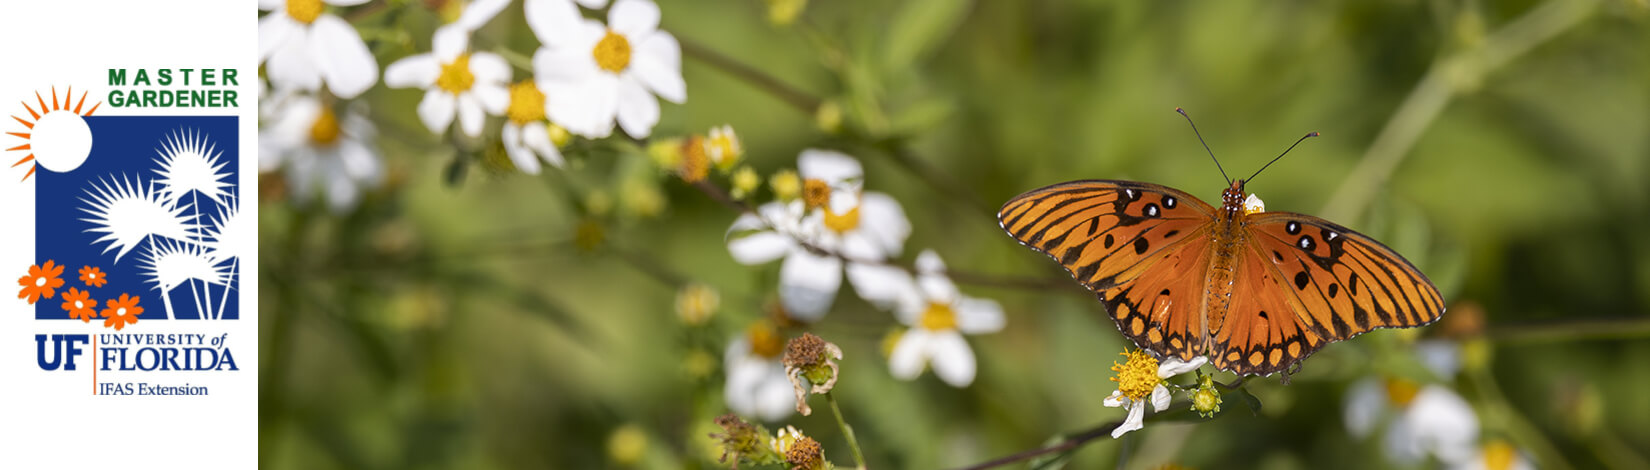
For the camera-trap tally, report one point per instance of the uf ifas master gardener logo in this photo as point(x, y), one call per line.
point(137, 218)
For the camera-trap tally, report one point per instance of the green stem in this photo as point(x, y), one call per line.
point(1575, 330)
point(847, 431)
point(798, 99)
point(516, 59)
point(1443, 80)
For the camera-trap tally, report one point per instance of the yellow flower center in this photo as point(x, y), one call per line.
point(305, 11)
point(1137, 376)
point(765, 341)
point(815, 193)
point(842, 223)
point(456, 77)
point(612, 52)
point(938, 317)
point(1401, 392)
point(695, 303)
point(526, 103)
point(786, 185)
point(745, 181)
point(1499, 455)
point(325, 130)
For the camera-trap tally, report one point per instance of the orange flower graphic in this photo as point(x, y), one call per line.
point(93, 276)
point(42, 281)
point(80, 305)
point(122, 312)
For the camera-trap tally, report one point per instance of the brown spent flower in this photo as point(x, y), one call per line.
point(738, 438)
point(805, 454)
point(695, 165)
point(810, 363)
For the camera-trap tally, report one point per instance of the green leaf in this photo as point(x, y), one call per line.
point(456, 169)
point(1249, 399)
point(918, 27)
point(921, 116)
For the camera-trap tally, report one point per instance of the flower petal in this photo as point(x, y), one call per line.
point(1173, 366)
point(1115, 399)
point(658, 64)
point(1444, 423)
point(929, 262)
point(479, 12)
point(910, 354)
point(938, 288)
point(449, 42)
point(808, 284)
point(976, 316)
point(952, 358)
point(633, 18)
point(1160, 397)
point(274, 30)
point(537, 137)
point(829, 166)
point(346, 64)
point(290, 66)
point(758, 247)
point(1365, 401)
point(553, 21)
point(436, 110)
point(880, 284)
point(638, 109)
point(1136, 420)
point(775, 397)
point(489, 68)
point(359, 161)
point(1441, 356)
point(494, 98)
point(470, 115)
point(593, 4)
point(414, 71)
point(883, 219)
point(517, 150)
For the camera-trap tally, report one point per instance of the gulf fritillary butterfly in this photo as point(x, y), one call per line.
point(1255, 292)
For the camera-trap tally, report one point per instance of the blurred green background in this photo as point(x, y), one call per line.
point(468, 316)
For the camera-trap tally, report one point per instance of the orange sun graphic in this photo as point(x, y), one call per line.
point(58, 138)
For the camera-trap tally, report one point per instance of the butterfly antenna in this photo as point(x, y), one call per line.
point(1285, 152)
point(1205, 144)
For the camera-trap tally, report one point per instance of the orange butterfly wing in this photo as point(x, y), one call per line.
point(1143, 248)
point(1336, 284)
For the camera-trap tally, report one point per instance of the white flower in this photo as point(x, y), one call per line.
point(939, 316)
point(308, 140)
point(301, 46)
point(454, 80)
point(1160, 396)
point(595, 73)
point(865, 228)
point(526, 135)
point(757, 384)
point(1427, 419)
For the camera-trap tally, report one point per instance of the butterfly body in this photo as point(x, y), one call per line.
point(1255, 292)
